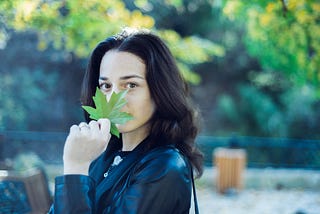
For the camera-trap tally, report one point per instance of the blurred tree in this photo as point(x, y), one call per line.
point(72, 25)
point(283, 35)
point(77, 26)
point(240, 94)
point(16, 107)
point(244, 91)
point(187, 19)
point(74, 28)
point(39, 89)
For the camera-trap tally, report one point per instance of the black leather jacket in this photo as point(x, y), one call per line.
point(145, 182)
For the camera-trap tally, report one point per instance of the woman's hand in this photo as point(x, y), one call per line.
point(85, 143)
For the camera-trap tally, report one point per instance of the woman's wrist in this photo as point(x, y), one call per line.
point(76, 168)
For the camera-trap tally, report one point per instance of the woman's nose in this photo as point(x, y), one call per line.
point(114, 89)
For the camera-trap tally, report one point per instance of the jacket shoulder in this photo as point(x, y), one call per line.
point(162, 163)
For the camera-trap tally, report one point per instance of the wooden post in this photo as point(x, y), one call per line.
point(230, 165)
point(2, 161)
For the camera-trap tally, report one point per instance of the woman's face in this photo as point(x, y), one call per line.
point(122, 70)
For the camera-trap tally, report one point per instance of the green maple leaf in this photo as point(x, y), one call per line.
point(110, 110)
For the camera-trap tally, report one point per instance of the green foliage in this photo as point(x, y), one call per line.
point(293, 113)
point(283, 35)
point(77, 26)
point(253, 111)
point(109, 109)
point(266, 117)
point(301, 112)
point(202, 50)
point(73, 25)
point(22, 92)
point(256, 82)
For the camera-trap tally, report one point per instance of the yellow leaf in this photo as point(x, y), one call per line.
point(303, 17)
point(265, 19)
point(231, 7)
point(316, 7)
point(271, 7)
point(292, 4)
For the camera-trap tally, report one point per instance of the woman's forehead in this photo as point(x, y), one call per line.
point(121, 64)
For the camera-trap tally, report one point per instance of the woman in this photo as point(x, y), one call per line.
point(149, 169)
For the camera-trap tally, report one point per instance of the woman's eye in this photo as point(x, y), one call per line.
point(131, 85)
point(105, 86)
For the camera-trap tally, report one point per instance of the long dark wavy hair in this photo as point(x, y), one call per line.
point(174, 120)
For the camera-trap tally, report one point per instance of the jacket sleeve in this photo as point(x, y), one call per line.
point(73, 194)
point(159, 184)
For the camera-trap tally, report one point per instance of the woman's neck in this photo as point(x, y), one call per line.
point(132, 139)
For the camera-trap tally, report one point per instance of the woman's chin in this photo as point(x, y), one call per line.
point(121, 127)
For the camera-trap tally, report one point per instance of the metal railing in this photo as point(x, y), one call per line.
point(47, 145)
point(261, 152)
point(267, 152)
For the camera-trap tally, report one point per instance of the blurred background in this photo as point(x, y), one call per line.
point(253, 68)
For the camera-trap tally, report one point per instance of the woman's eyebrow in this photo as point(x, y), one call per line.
point(123, 77)
point(131, 76)
point(103, 78)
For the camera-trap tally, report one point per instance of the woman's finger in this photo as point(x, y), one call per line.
point(104, 125)
point(74, 128)
point(94, 125)
point(83, 125)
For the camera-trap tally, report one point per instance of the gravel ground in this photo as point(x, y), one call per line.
point(259, 202)
point(299, 193)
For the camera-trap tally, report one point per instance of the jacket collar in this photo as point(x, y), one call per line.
point(107, 186)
